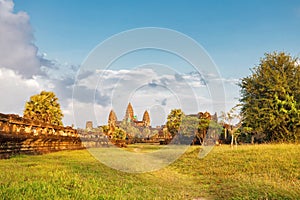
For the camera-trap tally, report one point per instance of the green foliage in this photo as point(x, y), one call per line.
point(215, 125)
point(289, 115)
point(44, 107)
point(202, 129)
point(174, 121)
point(119, 134)
point(105, 129)
point(189, 125)
point(271, 98)
point(203, 124)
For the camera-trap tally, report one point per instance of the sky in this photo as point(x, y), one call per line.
point(44, 45)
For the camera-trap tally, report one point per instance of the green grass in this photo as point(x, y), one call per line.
point(248, 172)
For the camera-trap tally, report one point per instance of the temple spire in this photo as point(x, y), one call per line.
point(146, 119)
point(129, 116)
point(112, 118)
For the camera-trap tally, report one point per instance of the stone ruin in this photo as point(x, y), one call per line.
point(23, 136)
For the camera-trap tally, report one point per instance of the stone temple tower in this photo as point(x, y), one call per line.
point(89, 125)
point(129, 116)
point(146, 119)
point(112, 118)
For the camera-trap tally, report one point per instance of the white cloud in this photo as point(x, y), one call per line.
point(16, 90)
point(77, 113)
point(17, 51)
point(145, 88)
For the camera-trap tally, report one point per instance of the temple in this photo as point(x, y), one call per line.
point(130, 118)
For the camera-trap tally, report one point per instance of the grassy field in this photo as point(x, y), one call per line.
point(247, 172)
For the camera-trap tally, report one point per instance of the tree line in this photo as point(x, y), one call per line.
point(268, 109)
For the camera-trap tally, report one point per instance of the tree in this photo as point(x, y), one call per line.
point(232, 123)
point(174, 121)
point(203, 126)
point(212, 130)
point(192, 127)
point(270, 98)
point(188, 129)
point(189, 125)
point(119, 134)
point(105, 129)
point(44, 107)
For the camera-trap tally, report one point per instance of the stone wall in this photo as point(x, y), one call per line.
point(23, 136)
point(93, 139)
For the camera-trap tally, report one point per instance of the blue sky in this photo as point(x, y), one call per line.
point(43, 43)
point(235, 33)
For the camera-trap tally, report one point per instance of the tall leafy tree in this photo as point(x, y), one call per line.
point(205, 120)
point(174, 121)
point(44, 107)
point(270, 98)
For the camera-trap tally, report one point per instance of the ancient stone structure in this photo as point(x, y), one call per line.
point(89, 125)
point(146, 119)
point(112, 119)
point(129, 116)
point(19, 135)
point(161, 133)
point(93, 138)
point(215, 117)
point(133, 128)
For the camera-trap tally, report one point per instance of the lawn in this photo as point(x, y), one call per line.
point(247, 172)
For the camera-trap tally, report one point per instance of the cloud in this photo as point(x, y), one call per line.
point(78, 113)
point(144, 88)
point(164, 102)
point(16, 90)
point(17, 51)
